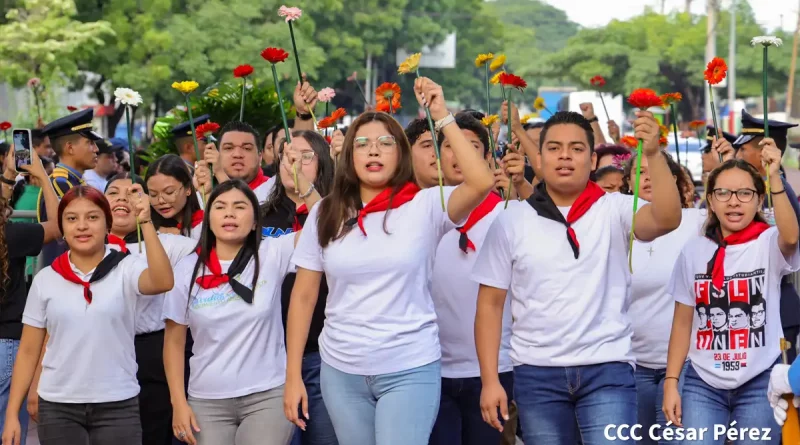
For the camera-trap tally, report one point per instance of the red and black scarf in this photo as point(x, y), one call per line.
point(716, 266)
point(122, 243)
point(197, 218)
point(385, 201)
point(258, 180)
point(300, 212)
point(62, 266)
point(217, 278)
point(546, 208)
point(483, 209)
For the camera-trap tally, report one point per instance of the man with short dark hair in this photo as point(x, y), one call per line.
point(563, 253)
point(41, 144)
point(423, 154)
point(106, 164)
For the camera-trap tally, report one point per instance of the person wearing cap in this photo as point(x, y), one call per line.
point(749, 145)
point(106, 164)
point(73, 139)
point(715, 148)
point(182, 135)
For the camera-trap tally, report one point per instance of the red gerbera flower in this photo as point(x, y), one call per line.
point(243, 71)
point(644, 98)
point(6, 125)
point(629, 141)
point(332, 119)
point(514, 81)
point(328, 139)
point(597, 81)
point(716, 71)
point(383, 105)
point(697, 125)
point(206, 130)
point(274, 55)
point(70, 108)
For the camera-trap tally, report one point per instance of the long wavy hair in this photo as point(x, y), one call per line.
point(5, 213)
point(174, 166)
point(680, 178)
point(345, 198)
point(208, 240)
point(712, 223)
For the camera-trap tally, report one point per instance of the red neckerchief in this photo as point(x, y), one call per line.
point(483, 209)
point(62, 266)
point(716, 265)
point(217, 278)
point(302, 210)
point(385, 201)
point(258, 180)
point(119, 242)
point(546, 208)
point(197, 218)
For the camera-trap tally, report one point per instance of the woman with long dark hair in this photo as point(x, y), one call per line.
point(374, 238)
point(86, 302)
point(284, 212)
point(726, 287)
point(174, 198)
point(228, 294)
point(155, 410)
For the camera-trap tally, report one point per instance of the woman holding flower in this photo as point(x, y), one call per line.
point(374, 238)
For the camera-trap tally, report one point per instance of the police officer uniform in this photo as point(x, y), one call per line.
point(711, 134)
point(790, 301)
point(184, 129)
point(64, 177)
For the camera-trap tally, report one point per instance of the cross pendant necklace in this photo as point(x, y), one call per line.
point(650, 250)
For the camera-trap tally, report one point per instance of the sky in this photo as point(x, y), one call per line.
point(591, 13)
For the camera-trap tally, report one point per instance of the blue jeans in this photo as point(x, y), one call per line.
point(704, 407)
point(388, 409)
point(560, 406)
point(460, 421)
point(319, 429)
point(650, 395)
point(8, 355)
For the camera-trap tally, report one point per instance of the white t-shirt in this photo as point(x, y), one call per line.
point(455, 297)
point(149, 310)
point(651, 307)
point(742, 326)
point(90, 356)
point(238, 347)
point(566, 311)
point(92, 178)
point(380, 317)
point(262, 193)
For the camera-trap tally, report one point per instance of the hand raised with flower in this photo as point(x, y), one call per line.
point(646, 128)
point(305, 96)
point(429, 94)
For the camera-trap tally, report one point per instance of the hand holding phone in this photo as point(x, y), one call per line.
point(22, 146)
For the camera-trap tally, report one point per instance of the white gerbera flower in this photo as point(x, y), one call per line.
point(128, 97)
point(766, 41)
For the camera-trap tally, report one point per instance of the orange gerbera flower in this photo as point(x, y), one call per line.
point(387, 91)
point(644, 98)
point(663, 130)
point(629, 141)
point(383, 105)
point(716, 71)
point(332, 119)
point(697, 125)
point(671, 98)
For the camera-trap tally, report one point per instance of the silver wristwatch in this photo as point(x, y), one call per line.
point(443, 122)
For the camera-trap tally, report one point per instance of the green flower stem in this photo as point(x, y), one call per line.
point(508, 139)
point(635, 202)
point(766, 122)
point(241, 108)
point(675, 130)
point(432, 129)
point(133, 168)
point(714, 114)
point(326, 112)
point(491, 151)
point(296, 56)
point(280, 102)
point(602, 101)
point(488, 99)
point(194, 139)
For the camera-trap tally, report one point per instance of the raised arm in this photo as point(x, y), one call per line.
point(785, 217)
point(158, 277)
point(305, 99)
point(36, 170)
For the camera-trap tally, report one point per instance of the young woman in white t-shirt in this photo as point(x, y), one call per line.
point(173, 197)
point(228, 294)
point(726, 286)
point(155, 410)
point(374, 237)
point(650, 309)
point(86, 302)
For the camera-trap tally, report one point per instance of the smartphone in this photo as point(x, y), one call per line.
point(22, 146)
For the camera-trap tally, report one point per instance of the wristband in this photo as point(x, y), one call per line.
point(667, 378)
point(443, 122)
point(308, 192)
point(304, 117)
point(773, 192)
point(592, 120)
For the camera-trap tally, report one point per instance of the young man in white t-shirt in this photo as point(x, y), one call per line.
point(459, 419)
point(563, 256)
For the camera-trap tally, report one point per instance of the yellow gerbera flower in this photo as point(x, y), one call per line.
point(490, 120)
point(496, 78)
point(482, 59)
point(498, 62)
point(527, 117)
point(539, 104)
point(410, 65)
point(185, 87)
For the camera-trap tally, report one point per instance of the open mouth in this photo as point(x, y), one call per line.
point(734, 216)
point(83, 238)
point(121, 210)
point(374, 166)
point(564, 171)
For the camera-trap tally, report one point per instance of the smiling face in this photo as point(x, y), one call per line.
point(730, 208)
point(566, 159)
point(167, 195)
point(423, 157)
point(232, 217)
point(121, 209)
point(239, 156)
point(308, 163)
point(84, 226)
point(450, 170)
point(375, 154)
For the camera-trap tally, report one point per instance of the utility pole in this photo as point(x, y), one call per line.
point(732, 71)
point(688, 6)
point(368, 78)
point(793, 66)
point(711, 48)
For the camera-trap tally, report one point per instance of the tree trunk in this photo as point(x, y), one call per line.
point(113, 120)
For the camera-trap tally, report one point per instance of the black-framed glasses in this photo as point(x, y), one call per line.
point(306, 157)
point(384, 143)
point(743, 195)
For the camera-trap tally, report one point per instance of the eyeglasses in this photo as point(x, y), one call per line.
point(743, 195)
point(306, 157)
point(384, 143)
point(166, 196)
